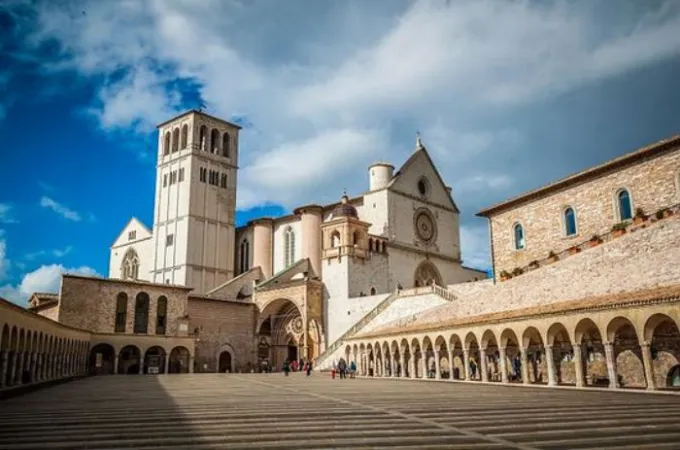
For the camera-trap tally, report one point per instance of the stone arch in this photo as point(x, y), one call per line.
point(180, 360)
point(491, 350)
point(225, 359)
point(537, 367)
point(427, 274)
point(154, 360)
point(509, 343)
point(662, 335)
point(286, 332)
point(416, 358)
point(472, 346)
point(627, 354)
point(129, 360)
point(405, 351)
point(428, 354)
point(441, 350)
point(457, 358)
point(563, 353)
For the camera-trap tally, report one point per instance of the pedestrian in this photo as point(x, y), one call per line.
point(352, 370)
point(286, 367)
point(309, 368)
point(342, 367)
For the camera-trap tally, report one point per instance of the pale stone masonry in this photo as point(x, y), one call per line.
point(650, 175)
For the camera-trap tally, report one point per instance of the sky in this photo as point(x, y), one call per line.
point(507, 95)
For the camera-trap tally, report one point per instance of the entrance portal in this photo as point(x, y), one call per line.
point(225, 362)
point(292, 352)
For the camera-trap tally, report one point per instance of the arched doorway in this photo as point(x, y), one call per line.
point(225, 362)
point(129, 360)
point(179, 360)
point(102, 360)
point(282, 326)
point(427, 274)
point(154, 360)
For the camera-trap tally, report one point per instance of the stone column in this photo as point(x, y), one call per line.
point(466, 364)
point(524, 361)
point(191, 364)
point(402, 374)
point(451, 365)
point(34, 367)
point(115, 364)
point(649, 366)
point(483, 362)
point(611, 365)
point(412, 366)
point(423, 363)
point(504, 365)
point(550, 359)
point(166, 364)
point(20, 368)
point(437, 369)
point(578, 365)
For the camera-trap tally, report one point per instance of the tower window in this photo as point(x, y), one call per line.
point(214, 141)
point(166, 143)
point(289, 246)
point(175, 140)
point(569, 221)
point(225, 145)
point(169, 240)
point(223, 181)
point(173, 177)
point(165, 180)
point(202, 174)
point(202, 138)
point(518, 234)
point(624, 204)
point(183, 140)
point(181, 174)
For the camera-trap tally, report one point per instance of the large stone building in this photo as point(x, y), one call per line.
point(586, 286)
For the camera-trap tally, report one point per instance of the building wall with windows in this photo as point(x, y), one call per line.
point(131, 255)
point(287, 245)
point(571, 211)
point(102, 305)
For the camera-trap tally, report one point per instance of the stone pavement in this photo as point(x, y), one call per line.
point(232, 411)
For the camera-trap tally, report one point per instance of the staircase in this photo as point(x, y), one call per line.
point(380, 307)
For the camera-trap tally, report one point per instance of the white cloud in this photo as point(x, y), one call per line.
point(60, 209)
point(44, 279)
point(56, 253)
point(4, 261)
point(7, 213)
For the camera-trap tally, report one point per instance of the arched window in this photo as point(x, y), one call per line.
point(569, 221)
point(141, 313)
point(518, 234)
point(166, 143)
point(175, 140)
point(289, 247)
point(121, 312)
point(225, 145)
point(625, 206)
point(184, 138)
point(335, 239)
point(130, 267)
point(161, 314)
point(245, 256)
point(214, 141)
point(371, 248)
point(355, 238)
point(202, 136)
point(373, 291)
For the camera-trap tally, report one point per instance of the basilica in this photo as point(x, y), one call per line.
point(584, 287)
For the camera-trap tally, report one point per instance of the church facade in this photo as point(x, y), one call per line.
point(308, 275)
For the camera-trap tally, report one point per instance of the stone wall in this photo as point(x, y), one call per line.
point(89, 303)
point(223, 325)
point(652, 185)
point(644, 259)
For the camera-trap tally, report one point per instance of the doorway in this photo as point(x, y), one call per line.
point(225, 362)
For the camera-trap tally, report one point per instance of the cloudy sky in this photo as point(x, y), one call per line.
point(507, 95)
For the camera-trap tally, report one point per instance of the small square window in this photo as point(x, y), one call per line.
point(132, 235)
point(169, 240)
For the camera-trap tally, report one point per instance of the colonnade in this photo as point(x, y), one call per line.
point(620, 349)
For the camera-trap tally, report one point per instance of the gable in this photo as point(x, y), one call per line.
point(420, 166)
point(139, 233)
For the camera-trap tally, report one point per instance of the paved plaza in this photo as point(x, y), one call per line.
point(271, 411)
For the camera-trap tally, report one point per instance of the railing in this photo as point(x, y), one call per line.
point(380, 307)
point(656, 216)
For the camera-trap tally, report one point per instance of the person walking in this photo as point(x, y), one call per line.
point(352, 370)
point(309, 368)
point(342, 367)
point(286, 367)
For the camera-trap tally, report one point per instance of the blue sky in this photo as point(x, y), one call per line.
point(507, 96)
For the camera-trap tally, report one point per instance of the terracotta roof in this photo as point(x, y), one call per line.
point(585, 175)
point(620, 299)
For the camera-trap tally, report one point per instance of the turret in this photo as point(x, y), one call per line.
point(311, 217)
point(380, 175)
point(263, 234)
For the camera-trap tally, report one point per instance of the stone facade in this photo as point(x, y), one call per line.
point(90, 303)
point(223, 326)
point(651, 176)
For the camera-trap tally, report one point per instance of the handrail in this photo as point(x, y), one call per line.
point(380, 307)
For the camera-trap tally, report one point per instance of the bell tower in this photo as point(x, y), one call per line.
point(195, 203)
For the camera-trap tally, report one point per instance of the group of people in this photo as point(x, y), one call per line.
point(342, 368)
point(297, 366)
